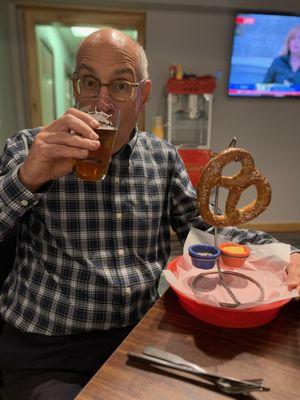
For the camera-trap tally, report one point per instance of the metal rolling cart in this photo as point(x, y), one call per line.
point(189, 120)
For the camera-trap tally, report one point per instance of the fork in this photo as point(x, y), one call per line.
point(225, 384)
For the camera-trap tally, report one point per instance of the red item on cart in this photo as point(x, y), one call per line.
point(194, 85)
point(194, 161)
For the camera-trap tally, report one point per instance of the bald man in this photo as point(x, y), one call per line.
point(89, 254)
point(67, 302)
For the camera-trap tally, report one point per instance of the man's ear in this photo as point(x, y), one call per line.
point(146, 91)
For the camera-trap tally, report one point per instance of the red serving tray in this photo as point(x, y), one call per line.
point(227, 317)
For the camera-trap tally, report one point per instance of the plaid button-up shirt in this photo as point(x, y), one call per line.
point(89, 255)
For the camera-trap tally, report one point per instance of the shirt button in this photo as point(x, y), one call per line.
point(121, 252)
point(119, 215)
point(128, 290)
point(24, 203)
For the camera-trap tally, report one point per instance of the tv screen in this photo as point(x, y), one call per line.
point(265, 58)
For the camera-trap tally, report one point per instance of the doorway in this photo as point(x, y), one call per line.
point(52, 36)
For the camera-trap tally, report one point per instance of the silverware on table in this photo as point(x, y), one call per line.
point(226, 384)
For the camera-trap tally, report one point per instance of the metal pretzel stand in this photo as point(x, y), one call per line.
point(220, 274)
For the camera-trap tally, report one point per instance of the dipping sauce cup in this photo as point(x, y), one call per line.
point(203, 256)
point(234, 255)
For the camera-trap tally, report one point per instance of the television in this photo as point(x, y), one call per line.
point(265, 57)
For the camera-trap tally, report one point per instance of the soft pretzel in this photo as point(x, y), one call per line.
point(211, 177)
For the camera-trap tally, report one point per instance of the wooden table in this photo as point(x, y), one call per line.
point(271, 352)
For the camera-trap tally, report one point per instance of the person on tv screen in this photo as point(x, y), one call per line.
point(286, 67)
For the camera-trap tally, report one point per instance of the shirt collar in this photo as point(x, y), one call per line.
point(127, 149)
point(133, 139)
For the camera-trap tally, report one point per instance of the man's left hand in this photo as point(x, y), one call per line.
point(293, 271)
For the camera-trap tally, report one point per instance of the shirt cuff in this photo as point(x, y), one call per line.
point(16, 197)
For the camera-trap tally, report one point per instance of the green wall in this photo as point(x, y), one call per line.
point(62, 58)
point(63, 62)
point(8, 122)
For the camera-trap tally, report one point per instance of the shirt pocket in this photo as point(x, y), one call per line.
point(145, 209)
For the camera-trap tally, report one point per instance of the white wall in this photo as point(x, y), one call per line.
point(268, 128)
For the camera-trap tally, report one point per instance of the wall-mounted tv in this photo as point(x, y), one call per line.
point(265, 59)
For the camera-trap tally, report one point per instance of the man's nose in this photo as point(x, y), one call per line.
point(104, 99)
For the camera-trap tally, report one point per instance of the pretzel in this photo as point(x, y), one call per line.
point(248, 175)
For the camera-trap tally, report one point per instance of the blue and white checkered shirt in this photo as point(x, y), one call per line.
point(89, 255)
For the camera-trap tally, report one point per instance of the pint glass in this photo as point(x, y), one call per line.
point(94, 168)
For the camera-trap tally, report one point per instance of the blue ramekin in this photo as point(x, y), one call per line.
point(203, 261)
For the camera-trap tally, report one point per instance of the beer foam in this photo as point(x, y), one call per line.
point(103, 119)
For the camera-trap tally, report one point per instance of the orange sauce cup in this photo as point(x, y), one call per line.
point(234, 255)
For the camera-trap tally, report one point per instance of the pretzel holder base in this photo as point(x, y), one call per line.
point(226, 317)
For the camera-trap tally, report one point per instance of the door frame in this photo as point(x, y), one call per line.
point(70, 16)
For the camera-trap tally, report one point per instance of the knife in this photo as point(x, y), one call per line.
point(153, 355)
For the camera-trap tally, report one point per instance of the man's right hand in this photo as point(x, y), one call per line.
point(55, 148)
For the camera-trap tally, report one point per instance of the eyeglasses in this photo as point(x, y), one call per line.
point(89, 87)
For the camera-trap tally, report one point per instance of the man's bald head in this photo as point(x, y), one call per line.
point(113, 38)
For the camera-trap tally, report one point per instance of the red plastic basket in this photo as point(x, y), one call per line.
point(229, 318)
